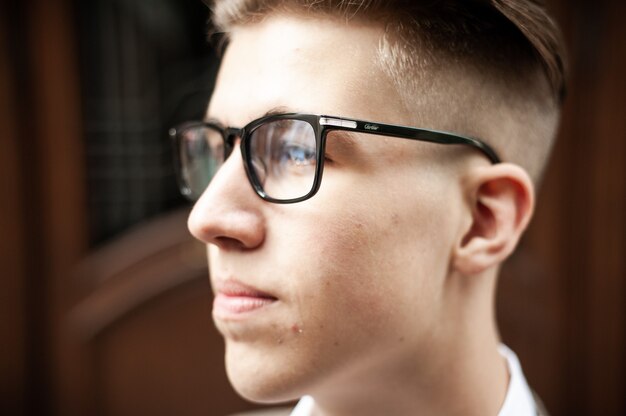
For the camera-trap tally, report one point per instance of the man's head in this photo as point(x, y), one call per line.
point(490, 67)
point(394, 260)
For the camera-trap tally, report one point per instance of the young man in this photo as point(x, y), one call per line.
point(354, 262)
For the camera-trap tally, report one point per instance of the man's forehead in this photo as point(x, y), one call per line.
point(287, 29)
point(306, 64)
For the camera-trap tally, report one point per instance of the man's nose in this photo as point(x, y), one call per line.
point(228, 214)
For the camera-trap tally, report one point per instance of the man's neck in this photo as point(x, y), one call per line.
point(460, 374)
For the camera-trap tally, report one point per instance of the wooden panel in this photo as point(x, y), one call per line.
point(56, 202)
point(12, 250)
point(144, 324)
point(603, 101)
point(165, 358)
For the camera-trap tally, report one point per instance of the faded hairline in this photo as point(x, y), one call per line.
point(516, 111)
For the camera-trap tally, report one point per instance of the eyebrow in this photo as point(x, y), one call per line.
point(272, 112)
point(349, 138)
point(279, 110)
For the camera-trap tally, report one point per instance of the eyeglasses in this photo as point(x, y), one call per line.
point(283, 154)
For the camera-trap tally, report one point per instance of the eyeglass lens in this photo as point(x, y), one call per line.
point(201, 153)
point(281, 158)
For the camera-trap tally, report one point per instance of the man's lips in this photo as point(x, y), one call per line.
point(233, 298)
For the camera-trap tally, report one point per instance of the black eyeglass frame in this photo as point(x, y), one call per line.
point(321, 125)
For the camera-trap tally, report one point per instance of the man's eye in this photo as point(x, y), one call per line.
point(298, 155)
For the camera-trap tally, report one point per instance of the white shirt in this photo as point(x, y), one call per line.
point(519, 399)
point(517, 402)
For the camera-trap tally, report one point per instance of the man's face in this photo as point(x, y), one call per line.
point(355, 273)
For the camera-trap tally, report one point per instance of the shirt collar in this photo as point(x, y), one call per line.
point(519, 399)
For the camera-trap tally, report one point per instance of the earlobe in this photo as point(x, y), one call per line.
point(502, 202)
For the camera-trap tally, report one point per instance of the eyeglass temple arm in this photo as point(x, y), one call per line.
point(411, 133)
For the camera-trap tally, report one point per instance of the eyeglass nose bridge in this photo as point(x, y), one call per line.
point(230, 137)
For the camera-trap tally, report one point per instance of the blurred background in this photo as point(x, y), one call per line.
point(104, 298)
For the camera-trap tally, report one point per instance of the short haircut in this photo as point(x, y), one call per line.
point(510, 51)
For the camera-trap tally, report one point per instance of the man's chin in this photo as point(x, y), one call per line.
point(261, 379)
point(262, 389)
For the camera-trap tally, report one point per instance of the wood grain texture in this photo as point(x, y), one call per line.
point(13, 325)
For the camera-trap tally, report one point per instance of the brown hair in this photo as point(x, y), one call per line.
point(458, 26)
point(513, 42)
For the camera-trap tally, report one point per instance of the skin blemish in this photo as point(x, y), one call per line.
point(296, 329)
point(336, 344)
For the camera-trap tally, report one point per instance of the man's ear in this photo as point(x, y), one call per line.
point(501, 199)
